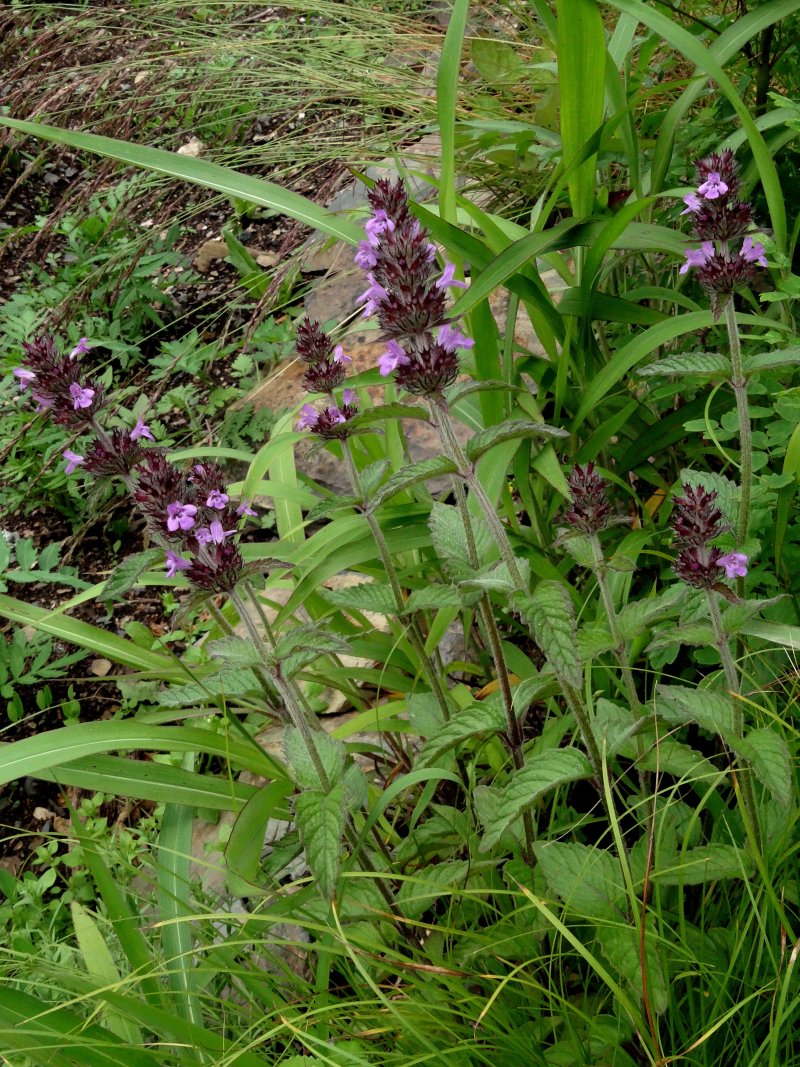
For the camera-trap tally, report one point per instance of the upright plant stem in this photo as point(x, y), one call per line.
point(739, 383)
point(414, 635)
point(513, 730)
point(734, 687)
point(454, 451)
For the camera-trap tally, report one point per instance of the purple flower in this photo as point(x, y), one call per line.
point(25, 377)
point(308, 418)
point(141, 430)
point(73, 460)
point(735, 564)
point(213, 533)
point(175, 563)
point(448, 278)
point(697, 257)
point(378, 224)
point(365, 257)
point(373, 296)
point(80, 349)
point(349, 396)
point(245, 509)
point(216, 500)
point(180, 516)
point(339, 355)
point(81, 398)
point(693, 203)
point(713, 186)
point(42, 402)
point(392, 358)
point(451, 338)
point(753, 253)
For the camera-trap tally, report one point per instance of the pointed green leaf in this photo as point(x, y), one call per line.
point(510, 430)
point(769, 756)
point(550, 615)
point(587, 879)
point(706, 366)
point(412, 475)
point(621, 946)
point(696, 866)
point(320, 820)
point(712, 711)
point(301, 765)
point(126, 574)
point(477, 720)
point(366, 596)
point(450, 540)
point(781, 357)
point(434, 597)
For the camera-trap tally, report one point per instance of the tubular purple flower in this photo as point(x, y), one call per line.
point(349, 396)
point(448, 278)
point(180, 516)
point(216, 500)
point(365, 257)
point(73, 460)
point(693, 204)
point(373, 296)
point(43, 403)
point(245, 509)
point(451, 338)
point(394, 357)
point(80, 349)
point(25, 377)
point(713, 187)
point(753, 252)
point(734, 564)
point(697, 257)
point(339, 355)
point(213, 534)
point(308, 418)
point(141, 429)
point(379, 223)
point(175, 563)
point(81, 398)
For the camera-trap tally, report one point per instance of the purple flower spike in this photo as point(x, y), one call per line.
point(73, 460)
point(735, 564)
point(448, 279)
point(339, 355)
point(180, 516)
point(451, 338)
point(80, 349)
point(753, 252)
point(392, 358)
point(81, 398)
point(693, 204)
point(141, 430)
point(25, 377)
point(713, 187)
point(245, 509)
point(697, 257)
point(308, 418)
point(175, 563)
point(216, 500)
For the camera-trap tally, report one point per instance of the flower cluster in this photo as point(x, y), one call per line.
point(719, 218)
point(56, 383)
point(189, 512)
point(326, 370)
point(408, 294)
point(696, 521)
point(590, 509)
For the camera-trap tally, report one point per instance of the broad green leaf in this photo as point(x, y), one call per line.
point(549, 613)
point(450, 540)
point(769, 756)
point(461, 390)
point(199, 172)
point(511, 430)
point(613, 726)
point(707, 366)
point(762, 361)
point(411, 475)
point(636, 617)
point(696, 866)
point(321, 820)
point(586, 878)
point(699, 634)
point(382, 412)
point(712, 711)
point(429, 885)
point(539, 775)
point(366, 596)
point(621, 946)
point(330, 751)
point(99, 963)
point(684, 763)
point(434, 597)
point(126, 574)
point(481, 719)
point(495, 578)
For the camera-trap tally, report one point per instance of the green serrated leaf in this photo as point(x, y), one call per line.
point(594, 641)
point(309, 637)
point(496, 578)
point(636, 618)
point(126, 574)
point(586, 878)
point(613, 726)
point(769, 756)
point(320, 821)
point(550, 615)
point(450, 540)
point(462, 389)
point(697, 634)
point(227, 683)
point(325, 508)
point(539, 775)
point(780, 357)
point(434, 597)
point(366, 596)
point(708, 366)
point(579, 547)
point(372, 475)
point(236, 652)
point(712, 711)
point(419, 893)
point(412, 475)
point(479, 719)
point(509, 430)
point(381, 412)
point(331, 752)
point(736, 615)
point(707, 864)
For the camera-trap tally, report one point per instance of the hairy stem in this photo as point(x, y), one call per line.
point(734, 688)
point(441, 419)
point(739, 383)
point(412, 629)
